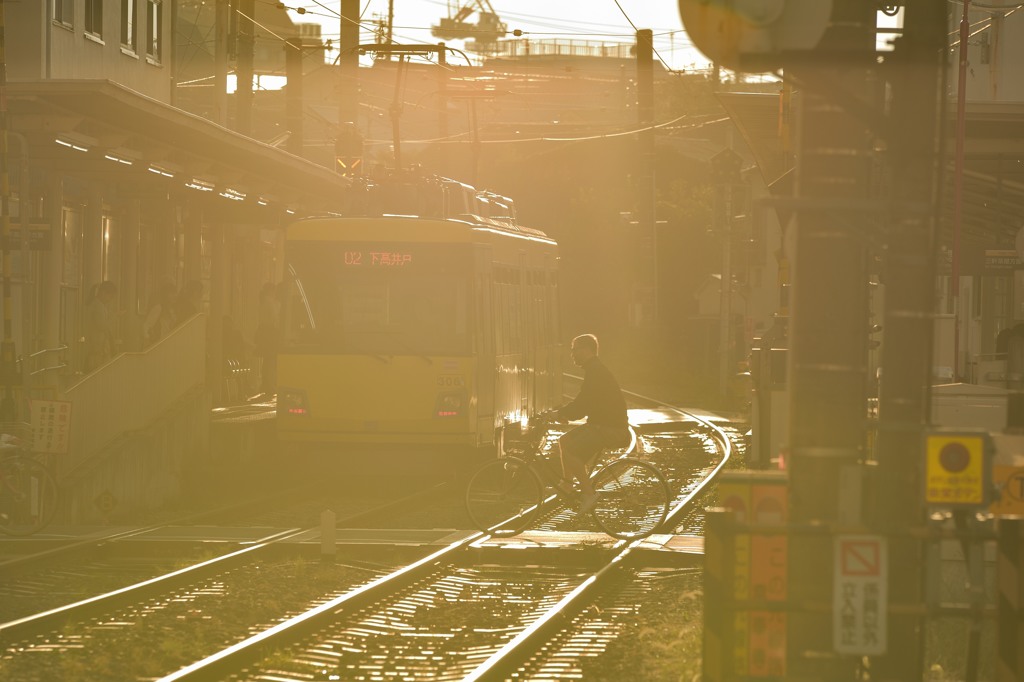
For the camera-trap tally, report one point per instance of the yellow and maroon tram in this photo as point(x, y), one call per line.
point(404, 330)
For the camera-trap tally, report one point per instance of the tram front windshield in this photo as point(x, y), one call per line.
point(381, 299)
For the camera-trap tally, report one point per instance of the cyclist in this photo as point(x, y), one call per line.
point(600, 400)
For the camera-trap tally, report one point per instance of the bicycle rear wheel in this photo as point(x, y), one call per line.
point(503, 497)
point(633, 499)
point(28, 495)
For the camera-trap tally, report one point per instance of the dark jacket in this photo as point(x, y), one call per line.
point(599, 400)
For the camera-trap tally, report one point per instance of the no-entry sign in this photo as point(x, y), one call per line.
point(860, 597)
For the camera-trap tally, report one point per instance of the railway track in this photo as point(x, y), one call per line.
point(89, 628)
point(509, 618)
point(505, 619)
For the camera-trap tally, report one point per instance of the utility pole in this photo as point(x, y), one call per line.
point(958, 180)
point(293, 95)
point(244, 70)
point(220, 66)
point(648, 275)
point(391, 25)
point(348, 63)
point(8, 358)
point(918, 102)
point(828, 329)
point(442, 105)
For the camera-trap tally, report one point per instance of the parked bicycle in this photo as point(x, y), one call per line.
point(507, 494)
point(28, 489)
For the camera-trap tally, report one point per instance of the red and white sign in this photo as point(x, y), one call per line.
point(860, 596)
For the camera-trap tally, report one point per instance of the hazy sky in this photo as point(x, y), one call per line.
point(593, 20)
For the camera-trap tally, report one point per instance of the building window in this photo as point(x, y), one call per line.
point(154, 29)
point(128, 8)
point(64, 12)
point(94, 17)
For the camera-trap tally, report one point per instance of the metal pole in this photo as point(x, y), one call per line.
point(396, 112)
point(958, 186)
point(646, 201)
point(725, 290)
point(220, 62)
point(8, 362)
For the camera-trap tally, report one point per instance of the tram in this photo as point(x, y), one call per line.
point(436, 327)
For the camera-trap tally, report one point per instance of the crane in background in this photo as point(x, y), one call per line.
point(486, 31)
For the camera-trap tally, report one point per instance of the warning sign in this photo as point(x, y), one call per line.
point(860, 597)
point(955, 469)
point(1009, 481)
point(51, 426)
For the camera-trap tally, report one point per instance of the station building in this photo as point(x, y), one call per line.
point(111, 181)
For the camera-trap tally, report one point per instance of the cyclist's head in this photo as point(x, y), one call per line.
point(583, 348)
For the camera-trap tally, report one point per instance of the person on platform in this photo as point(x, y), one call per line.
point(161, 318)
point(99, 325)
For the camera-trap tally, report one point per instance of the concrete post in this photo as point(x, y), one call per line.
point(917, 64)
point(828, 328)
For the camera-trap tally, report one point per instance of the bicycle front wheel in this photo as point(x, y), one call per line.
point(28, 495)
point(503, 497)
point(632, 499)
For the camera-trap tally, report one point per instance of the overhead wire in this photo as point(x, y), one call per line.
point(581, 138)
point(549, 22)
point(653, 49)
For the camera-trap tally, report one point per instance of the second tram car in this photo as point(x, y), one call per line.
point(402, 330)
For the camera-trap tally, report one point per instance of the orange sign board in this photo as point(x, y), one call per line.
point(759, 499)
point(1010, 482)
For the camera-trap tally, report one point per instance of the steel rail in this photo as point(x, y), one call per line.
point(90, 543)
point(52, 619)
point(497, 666)
point(676, 513)
point(46, 621)
point(230, 660)
point(505, 662)
point(724, 443)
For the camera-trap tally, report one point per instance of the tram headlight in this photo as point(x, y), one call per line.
point(451, 404)
point(292, 401)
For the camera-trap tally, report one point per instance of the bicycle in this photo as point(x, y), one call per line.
point(505, 495)
point(28, 490)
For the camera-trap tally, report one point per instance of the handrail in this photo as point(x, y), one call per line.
point(44, 351)
point(47, 369)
